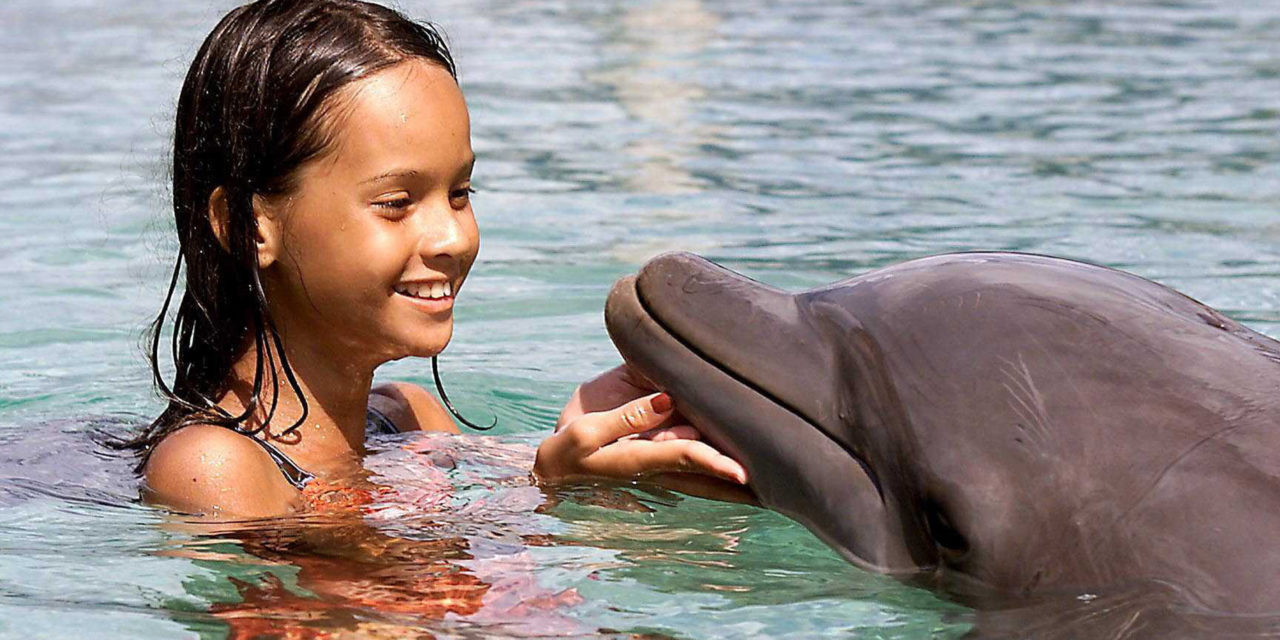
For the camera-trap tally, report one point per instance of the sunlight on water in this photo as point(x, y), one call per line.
point(798, 142)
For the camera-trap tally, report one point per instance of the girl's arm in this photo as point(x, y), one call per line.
point(611, 428)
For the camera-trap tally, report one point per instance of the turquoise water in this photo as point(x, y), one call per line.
point(798, 142)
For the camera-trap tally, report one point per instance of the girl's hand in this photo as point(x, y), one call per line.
point(609, 390)
point(631, 442)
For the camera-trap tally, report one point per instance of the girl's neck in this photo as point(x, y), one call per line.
point(337, 399)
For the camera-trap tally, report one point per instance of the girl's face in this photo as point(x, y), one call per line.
point(374, 242)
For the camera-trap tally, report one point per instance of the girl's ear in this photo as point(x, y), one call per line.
point(266, 223)
point(267, 231)
point(219, 217)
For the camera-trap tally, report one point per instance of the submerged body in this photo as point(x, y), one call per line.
point(997, 425)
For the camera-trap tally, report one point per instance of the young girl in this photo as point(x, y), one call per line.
point(322, 171)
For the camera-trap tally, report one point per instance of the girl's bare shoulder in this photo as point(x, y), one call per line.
point(215, 472)
point(411, 407)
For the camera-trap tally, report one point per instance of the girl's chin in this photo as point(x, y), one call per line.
point(415, 352)
point(425, 348)
point(409, 337)
point(426, 353)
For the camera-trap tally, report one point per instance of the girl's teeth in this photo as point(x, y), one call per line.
point(433, 291)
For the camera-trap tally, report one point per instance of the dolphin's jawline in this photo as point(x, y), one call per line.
point(872, 554)
point(752, 387)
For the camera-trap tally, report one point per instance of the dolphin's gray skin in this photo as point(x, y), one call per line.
point(986, 423)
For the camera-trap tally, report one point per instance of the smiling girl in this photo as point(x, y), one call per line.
point(322, 169)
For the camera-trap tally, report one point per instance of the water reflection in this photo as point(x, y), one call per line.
point(654, 65)
point(656, 49)
point(799, 141)
point(392, 552)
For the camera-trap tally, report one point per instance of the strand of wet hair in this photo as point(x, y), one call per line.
point(444, 397)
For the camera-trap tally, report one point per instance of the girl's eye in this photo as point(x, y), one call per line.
point(460, 197)
point(395, 203)
point(394, 208)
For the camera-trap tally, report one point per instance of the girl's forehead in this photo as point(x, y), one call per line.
point(407, 83)
point(412, 112)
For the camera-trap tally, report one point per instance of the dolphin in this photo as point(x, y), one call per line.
point(992, 425)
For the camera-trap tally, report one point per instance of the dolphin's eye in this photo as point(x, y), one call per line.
point(943, 532)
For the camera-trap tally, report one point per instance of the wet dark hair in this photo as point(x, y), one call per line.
point(255, 106)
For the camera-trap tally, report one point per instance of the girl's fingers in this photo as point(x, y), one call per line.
point(696, 484)
point(637, 416)
point(640, 457)
point(603, 392)
point(631, 441)
point(678, 432)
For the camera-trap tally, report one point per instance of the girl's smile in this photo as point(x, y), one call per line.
point(430, 296)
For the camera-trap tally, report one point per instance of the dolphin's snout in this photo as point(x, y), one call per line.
point(747, 370)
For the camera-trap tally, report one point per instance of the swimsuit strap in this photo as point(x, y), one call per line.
point(297, 476)
point(375, 422)
point(378, 422)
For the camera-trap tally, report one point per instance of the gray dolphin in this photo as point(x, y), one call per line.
point(985, 423)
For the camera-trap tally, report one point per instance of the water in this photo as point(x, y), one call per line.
point(798, 142)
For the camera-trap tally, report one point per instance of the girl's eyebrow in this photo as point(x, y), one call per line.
point(394, 173)
point(467, 168)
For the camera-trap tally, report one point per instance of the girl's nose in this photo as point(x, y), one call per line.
point(446, 233)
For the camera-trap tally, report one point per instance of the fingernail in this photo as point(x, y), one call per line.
point(661, 403)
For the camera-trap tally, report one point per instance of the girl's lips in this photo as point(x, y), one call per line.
point(429, 305)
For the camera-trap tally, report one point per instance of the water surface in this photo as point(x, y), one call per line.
point(799, 142)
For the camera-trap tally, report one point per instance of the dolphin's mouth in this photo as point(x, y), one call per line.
point(795, 466)
point(747, 384)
